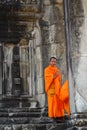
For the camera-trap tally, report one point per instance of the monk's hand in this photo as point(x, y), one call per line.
point(56, 74)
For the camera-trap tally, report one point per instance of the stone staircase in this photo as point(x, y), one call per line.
point(18, 115)
point(24, 113)
point(30, 118)
point(26, 119)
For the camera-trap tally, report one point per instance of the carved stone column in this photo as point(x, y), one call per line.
point(7, 69)
point(24, 66)
point(77, 52)
point(1, 69)
point(40, 94)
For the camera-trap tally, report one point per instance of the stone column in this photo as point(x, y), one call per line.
point(80, 72)
point(24, 68)
point(78, 54)
point(37, 66)
point(32, 67)
point(68, 49)
point(1, 68)
point(52, 35)
point(7, 67)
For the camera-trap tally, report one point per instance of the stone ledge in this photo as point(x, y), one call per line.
point(11, 102)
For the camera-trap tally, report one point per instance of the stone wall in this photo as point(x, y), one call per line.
point(53, 34)
point(31, 31)
point(78, 52)
point(36, 28)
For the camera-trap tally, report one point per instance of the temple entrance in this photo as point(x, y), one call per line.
point(17, 82)
point(17, 62)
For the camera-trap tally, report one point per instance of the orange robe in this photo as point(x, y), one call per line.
point(52, 88)
point(58, 96)
point(64, 96)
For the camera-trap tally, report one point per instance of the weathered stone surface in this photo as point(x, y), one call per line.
point(38, 29)
point(78, 52)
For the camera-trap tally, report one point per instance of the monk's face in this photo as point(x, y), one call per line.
point(53, 62)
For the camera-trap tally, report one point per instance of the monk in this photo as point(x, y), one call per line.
point(53, 90)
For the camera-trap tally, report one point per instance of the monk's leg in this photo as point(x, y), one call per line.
point(50, 106)
point(58, 107)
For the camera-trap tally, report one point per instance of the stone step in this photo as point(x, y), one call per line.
point(38, 126)
point(22, 113)
point(28, 120)
point(77, 128)
point(79, 115)
point(26, 115)
point(25, 109)
point(18, 102)
point(32, 127)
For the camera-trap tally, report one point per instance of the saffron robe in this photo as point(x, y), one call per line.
point(52, 88)
point(58, 97)
point(64, 96)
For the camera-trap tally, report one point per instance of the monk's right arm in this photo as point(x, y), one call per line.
point(57, 73)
